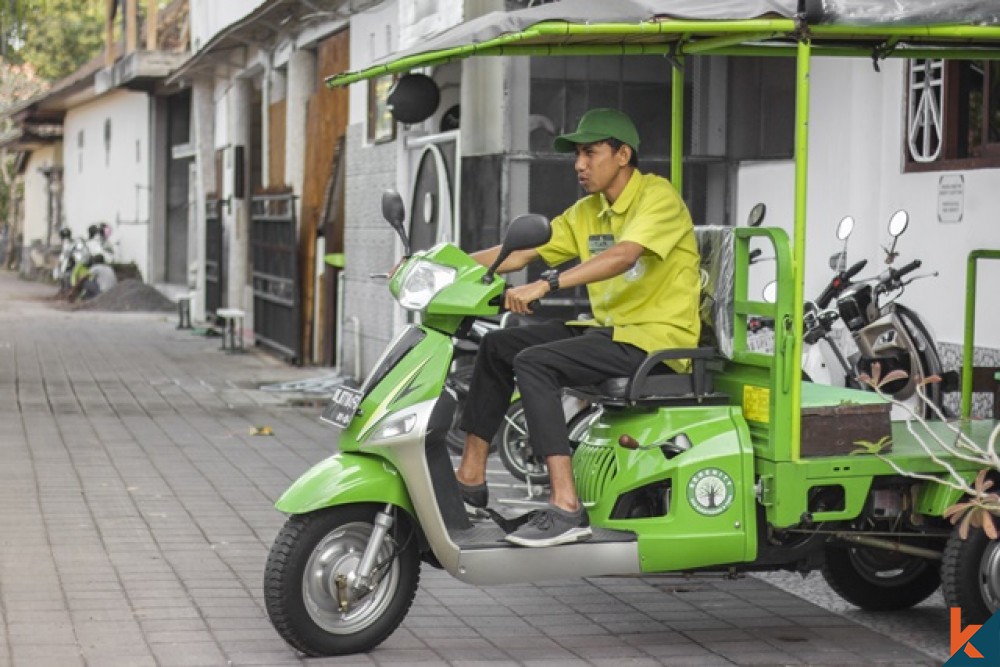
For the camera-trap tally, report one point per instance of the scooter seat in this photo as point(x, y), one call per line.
point(654, 384)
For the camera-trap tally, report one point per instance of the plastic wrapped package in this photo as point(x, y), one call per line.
point(715, 244)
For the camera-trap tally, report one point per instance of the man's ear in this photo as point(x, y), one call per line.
point(624, 155)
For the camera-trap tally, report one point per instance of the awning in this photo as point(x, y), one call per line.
point(886, 28)
point(264, 25)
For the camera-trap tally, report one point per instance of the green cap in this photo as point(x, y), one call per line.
point(598, 125)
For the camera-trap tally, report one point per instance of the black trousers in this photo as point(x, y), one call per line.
point(543, 358)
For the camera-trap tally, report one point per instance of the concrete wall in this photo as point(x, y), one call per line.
point(36, 197)
point(371, 317)
point(109, 181)
point(856, 148)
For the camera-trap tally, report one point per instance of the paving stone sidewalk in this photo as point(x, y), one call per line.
point(137, 512)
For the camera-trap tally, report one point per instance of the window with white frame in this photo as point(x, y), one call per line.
point(953, 115)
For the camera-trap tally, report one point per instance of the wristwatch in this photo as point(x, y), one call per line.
point(553, 279)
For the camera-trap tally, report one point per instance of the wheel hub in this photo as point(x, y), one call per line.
point(329, 584)
point(989, 576)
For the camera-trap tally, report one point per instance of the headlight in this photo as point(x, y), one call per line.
point(422, 281)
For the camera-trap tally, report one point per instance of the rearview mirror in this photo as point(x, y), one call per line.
point(845, 227)
point(394, 212)
point(770, 292)
point(898, 222)
point(757, 215)
point(525, 231)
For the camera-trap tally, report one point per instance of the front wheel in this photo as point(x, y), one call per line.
point(879, 580)
point(307, 581)
point(970, 575)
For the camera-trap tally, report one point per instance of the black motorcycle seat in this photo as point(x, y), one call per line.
point(655, 384)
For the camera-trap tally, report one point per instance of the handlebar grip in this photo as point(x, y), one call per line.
point(912, 266)
point(855, 269)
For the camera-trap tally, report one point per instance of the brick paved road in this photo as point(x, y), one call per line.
point(137, 514)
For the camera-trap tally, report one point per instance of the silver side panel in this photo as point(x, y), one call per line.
point(508, 565)
point(407, 453)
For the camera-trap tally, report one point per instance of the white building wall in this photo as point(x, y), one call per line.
point(109, 181)
point(856, 157)
point(36, 196)
point(208, 17)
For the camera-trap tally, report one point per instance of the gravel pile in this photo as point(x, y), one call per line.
point(129, 295)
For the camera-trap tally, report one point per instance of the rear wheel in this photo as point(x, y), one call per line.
point(307, 581)
point(970, 575)
point(879, 580)
point(513, 443)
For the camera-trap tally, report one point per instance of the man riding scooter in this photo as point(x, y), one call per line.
point(639, 260)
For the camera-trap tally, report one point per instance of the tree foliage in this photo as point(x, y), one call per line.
point(55, 37)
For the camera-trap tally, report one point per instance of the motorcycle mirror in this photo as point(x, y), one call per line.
point(845, 227)
point(525, 231)
point(394, 212)
point(770, 292)
point(898, 222)
point(757, 215)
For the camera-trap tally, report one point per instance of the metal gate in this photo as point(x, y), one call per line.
point(214, 273)
point(277, 316)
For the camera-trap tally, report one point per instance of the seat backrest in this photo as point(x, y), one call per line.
point(716, 246)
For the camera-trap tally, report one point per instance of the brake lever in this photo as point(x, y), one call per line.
point(919, 276)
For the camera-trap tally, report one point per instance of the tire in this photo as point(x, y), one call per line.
point(928, 359)
point(970, 575)
point(879, 580)
point(299, 594)
point(513, 444)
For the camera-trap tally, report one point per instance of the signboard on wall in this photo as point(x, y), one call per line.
point(951, 198)
point(422, 19)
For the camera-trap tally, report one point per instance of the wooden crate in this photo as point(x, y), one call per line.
point(835, 430)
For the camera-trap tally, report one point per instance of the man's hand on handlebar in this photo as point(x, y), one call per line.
point(520, 300)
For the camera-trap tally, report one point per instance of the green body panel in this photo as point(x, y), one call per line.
point(417, 378)
point(684, 538)
point(343, 479)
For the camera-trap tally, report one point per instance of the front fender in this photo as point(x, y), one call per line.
point(346, 478)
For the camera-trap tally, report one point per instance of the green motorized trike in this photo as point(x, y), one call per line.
point(739, 466)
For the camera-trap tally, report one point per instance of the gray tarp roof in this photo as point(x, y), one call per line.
point(858, 12)
point(890, 14)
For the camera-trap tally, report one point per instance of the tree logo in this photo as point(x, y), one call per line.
point(710, 491)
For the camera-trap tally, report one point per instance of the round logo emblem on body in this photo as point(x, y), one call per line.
point(710, 491)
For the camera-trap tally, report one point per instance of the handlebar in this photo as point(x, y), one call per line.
point(912, 266)
point(838, 283)
point(892, 278)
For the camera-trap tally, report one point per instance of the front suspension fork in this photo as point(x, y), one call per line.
point(359, 582)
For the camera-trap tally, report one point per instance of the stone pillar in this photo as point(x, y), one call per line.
point(300, 86)
point(237, 275)
point(203, 136)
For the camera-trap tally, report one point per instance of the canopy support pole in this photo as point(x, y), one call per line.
point(677, 126)
point(799, 242)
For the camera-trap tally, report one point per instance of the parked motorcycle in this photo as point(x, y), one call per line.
point(883, 330)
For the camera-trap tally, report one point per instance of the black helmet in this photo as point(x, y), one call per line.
point(65, 233)
point(93, 231)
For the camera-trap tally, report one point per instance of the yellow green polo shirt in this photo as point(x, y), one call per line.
point(654, 305)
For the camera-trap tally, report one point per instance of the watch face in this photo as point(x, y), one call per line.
point(710, 491)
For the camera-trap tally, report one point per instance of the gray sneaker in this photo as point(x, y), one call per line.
point(552, 526)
